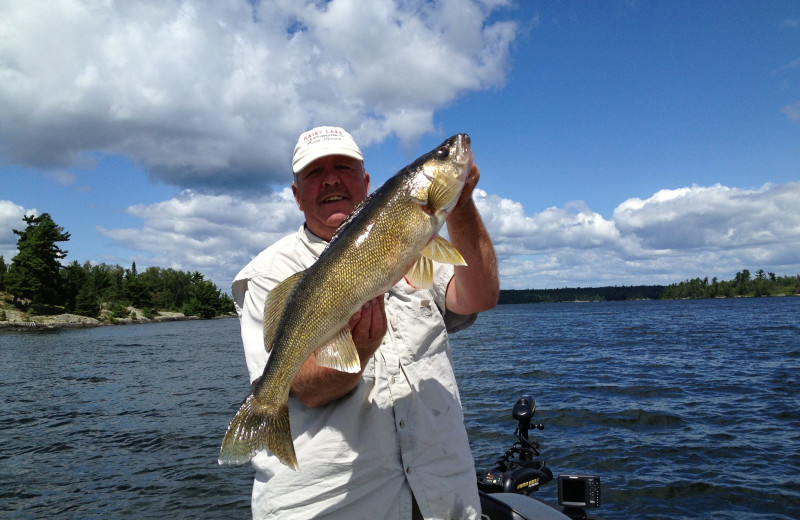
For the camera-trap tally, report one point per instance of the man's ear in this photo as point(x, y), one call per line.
point(295, 192)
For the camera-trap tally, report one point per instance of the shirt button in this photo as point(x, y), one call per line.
point(402, 424)
point(408, 469)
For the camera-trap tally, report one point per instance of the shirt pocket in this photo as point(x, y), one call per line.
point(418, 328)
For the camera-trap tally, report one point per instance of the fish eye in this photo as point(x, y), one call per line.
point(442, 153)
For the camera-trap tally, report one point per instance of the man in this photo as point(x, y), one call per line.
point(388, 442)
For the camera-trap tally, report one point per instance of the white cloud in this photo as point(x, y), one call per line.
point(668, 237)
point(214, 93)
point(716, 217)
point(213, 234)
point(792, 111)
point(10, 219)
point(574, 226)
point(790, 23)
point(671, 236)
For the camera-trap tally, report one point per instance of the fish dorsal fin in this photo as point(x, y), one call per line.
point(442, 251)
point(339, 353)
point(273, 308)
point(420, 276)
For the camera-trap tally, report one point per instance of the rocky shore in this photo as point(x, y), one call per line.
point(16, 320)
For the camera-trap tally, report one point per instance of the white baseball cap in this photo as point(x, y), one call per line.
point(323, 141)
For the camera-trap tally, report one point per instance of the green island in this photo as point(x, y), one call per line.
point(37, 291)
point(744, 285)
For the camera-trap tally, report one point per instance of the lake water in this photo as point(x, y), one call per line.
point(685, 409)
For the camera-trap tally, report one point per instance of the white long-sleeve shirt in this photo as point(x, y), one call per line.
point(401, 430)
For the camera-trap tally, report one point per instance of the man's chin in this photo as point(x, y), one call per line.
point(336, 219)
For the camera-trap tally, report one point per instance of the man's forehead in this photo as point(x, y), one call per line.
point(332, 159)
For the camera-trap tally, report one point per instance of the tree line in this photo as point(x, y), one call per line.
point(743, 285)
point(36, 278)
point(581, 294)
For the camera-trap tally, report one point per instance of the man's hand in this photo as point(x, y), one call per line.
point(317, 386)
point(473, 176)
point(368, 326)
point(476, 286)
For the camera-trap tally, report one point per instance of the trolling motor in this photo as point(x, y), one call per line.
point(518, 471)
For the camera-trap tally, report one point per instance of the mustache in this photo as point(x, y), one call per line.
point(333, 192)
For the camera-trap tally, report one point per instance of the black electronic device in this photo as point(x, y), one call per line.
point(578, 491)
point(518, 470)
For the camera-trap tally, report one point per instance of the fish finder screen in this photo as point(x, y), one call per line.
point(579, 490)
point(573, 490)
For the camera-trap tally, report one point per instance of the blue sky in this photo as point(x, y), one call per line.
point(619, 143)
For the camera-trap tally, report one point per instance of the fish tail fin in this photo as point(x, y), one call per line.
point(258, 426)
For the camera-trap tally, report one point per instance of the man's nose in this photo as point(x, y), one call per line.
point(330, 176)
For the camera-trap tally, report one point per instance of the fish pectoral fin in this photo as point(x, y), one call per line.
point(273, 307)
point(339, 353)
point(420, 276)
point(442, 251)
point(442, 191)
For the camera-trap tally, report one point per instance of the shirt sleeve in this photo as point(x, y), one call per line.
point(252, 287)
point(252, 324)
point(442, 274)
point(453, 322)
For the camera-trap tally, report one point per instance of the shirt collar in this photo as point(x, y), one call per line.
point(314, 243)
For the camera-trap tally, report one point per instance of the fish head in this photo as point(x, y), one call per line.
point(440, 175)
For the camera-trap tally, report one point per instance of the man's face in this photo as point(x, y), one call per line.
point(327, 190)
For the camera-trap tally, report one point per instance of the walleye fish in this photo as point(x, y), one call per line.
point(391, 234)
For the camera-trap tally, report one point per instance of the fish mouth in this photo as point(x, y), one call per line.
point(463, 150)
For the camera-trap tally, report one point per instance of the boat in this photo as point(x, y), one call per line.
point(505, 489)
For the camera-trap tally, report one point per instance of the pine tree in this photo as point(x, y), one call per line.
point(34, 272)
point(205, 297)
point(3, 269)
point(86, 302)
point(134, 290)
point(73, 279)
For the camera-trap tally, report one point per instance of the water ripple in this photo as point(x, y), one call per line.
point(685, 409)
